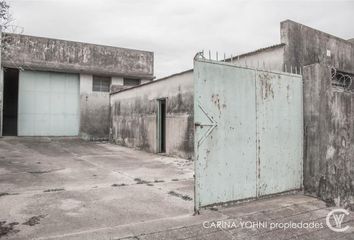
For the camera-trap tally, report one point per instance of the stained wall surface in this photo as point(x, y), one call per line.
point(52, 55)
point(329, 137)
point(46, 54)
point(134, 115)
point(328, 110)
point(305, 46)
point(270, 58)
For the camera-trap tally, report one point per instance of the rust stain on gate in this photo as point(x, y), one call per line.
point(251, 146)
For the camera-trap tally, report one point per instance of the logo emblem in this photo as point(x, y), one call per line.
point(336, 216)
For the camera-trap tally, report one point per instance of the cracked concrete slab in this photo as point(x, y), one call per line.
point(67, 186)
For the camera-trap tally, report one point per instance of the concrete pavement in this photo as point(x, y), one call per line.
point(69, 186)
point(52, 188)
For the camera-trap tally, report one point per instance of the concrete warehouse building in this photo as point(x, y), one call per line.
point(52, 87)
point(300, 46)
point(158, 116)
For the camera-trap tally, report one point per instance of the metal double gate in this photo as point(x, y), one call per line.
point(248, 132)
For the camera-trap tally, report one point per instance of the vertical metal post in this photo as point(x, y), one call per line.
point(158, 126)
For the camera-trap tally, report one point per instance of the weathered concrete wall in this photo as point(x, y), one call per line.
point(94, 109)
point(46, 54)
point(305, 46)
point(1, 97)
point(328, 112)
point(329, 138)
point(1, 87)
point(301, 46)
point(270, 58)
point(134, 115)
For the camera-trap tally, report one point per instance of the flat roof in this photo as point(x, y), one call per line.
point(154, 81)
point(71, 41)
point(49, 54)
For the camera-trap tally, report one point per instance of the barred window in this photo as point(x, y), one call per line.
point(101, 84)
point(341, 79)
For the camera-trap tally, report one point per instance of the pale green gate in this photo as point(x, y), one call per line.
point(248, 132)
point(48, 104)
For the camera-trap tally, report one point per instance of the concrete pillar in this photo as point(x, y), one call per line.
point(94, 110)
point(85, 92)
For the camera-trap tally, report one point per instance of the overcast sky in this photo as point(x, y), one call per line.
point(176, 29)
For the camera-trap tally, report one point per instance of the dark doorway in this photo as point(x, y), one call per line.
point(10, 102)
point(162, 125)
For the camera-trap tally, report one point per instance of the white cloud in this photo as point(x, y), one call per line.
point(176, 29)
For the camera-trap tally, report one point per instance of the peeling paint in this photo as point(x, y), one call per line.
point(266, 86)
point(330, 152)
